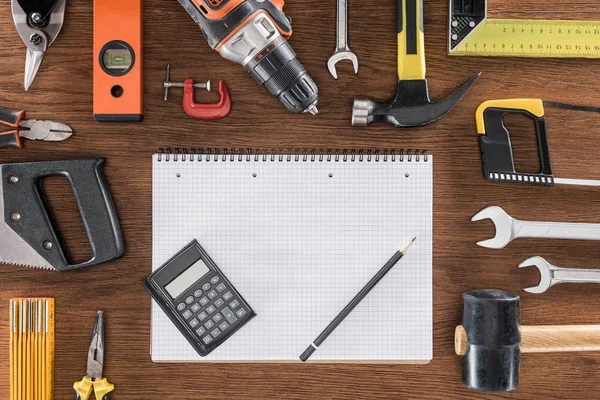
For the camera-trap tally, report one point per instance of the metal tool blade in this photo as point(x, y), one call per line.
point(45, 130)
point(95, 363)
point(33, 60)
point(13, 249)
point(37, 39)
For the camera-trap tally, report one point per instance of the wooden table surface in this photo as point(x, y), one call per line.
point(63, 91)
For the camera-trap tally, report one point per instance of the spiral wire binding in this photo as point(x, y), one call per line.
point(312, 155)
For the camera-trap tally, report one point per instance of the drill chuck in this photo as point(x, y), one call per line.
point(280, 71)
point(255, 38)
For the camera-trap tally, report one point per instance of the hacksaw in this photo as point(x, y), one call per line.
point(472, 33)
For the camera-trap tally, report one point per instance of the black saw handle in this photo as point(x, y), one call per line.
point(23, 194)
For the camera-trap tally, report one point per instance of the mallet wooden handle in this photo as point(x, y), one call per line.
point(546, 339)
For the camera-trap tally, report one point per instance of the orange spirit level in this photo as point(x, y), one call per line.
point(118, 92)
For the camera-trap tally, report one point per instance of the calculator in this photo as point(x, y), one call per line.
point(198, 298)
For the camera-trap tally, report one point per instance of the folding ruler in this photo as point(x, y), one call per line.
point(471, 33)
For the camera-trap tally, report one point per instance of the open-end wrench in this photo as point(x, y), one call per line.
point(550, 274)
point(342, 50)
point(508, 229)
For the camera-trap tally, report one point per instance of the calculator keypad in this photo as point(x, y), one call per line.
point(213, 310)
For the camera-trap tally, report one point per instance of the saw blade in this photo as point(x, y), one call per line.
point(13, 249)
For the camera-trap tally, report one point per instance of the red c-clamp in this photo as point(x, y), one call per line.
point(205, 111)
point(198, 110)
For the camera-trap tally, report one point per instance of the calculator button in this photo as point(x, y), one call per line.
point(198, 293)
point(241, 312)
point(194, 323)
point(207, 339)
point(214, 280)
point(181, 306)
point(216, 332)
point(234, 304)
point(229, 315)
point(221, 287)
point(212, 294)
point(187, 314)
point(211, 309)
point(200, 331)
point(204, 301)
point(196, 307)
point(227, 296)
point(209, 324)
point(206, 286)
point(224, 326)
point(202, 316)
point(217, 318)
point(219, 302)
point(189, 300)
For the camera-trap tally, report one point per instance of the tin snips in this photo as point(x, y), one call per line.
point(38, 23)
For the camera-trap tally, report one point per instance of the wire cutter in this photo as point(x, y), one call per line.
point(95, 365)
point(34, 129)
point(38, 23)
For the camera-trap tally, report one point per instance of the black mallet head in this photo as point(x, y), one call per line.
point(410, 107)
point(491, 354)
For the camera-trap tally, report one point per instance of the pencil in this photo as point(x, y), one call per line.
point(29, 355)
point(43, 351)
point(354, 302)
point(20, 361)
point(13, 348)
point(34, 353)
point(38, 391)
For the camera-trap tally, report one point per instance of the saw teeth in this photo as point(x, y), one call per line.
point(47, 268)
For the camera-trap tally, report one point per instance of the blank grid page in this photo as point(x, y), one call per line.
point(299, 239)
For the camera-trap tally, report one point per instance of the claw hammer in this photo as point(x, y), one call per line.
point(411, 105)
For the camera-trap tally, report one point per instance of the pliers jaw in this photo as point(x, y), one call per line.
point(38, 24)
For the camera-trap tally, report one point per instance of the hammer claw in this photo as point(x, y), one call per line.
point(410, 107)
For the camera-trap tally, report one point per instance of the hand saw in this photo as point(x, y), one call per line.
point(496, 146)
point(28, 235)
point(472, 33)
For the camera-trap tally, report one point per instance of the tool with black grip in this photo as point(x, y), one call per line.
point(30, 129)
point(411, 105)
point(254, 33)
point(496, 146)
point(28, 234)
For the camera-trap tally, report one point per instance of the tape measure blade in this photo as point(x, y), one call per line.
point(532, 38)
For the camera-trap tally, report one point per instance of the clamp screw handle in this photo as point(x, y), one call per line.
point(168, 84)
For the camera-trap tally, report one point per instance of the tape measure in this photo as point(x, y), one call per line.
point(471, 33)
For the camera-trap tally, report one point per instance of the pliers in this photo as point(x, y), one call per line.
point(95, 365)
point(34, 129)
point(38, 23)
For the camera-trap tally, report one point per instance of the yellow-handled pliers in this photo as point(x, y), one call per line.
point(95, 365)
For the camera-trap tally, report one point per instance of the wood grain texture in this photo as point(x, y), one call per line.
point(63, 91)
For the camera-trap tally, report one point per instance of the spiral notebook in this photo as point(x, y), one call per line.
point(299, 235)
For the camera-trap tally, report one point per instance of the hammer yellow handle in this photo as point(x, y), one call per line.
point(411, 47)
point(545, 339)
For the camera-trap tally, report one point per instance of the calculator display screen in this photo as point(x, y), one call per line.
point(186, 279)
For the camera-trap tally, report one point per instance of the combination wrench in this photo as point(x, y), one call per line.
point(342, 51)
point(508, 229)
point(551, 275)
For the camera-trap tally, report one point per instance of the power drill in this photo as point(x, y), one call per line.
point(254, 33)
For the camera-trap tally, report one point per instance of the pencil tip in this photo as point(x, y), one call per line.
point(403, 251)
